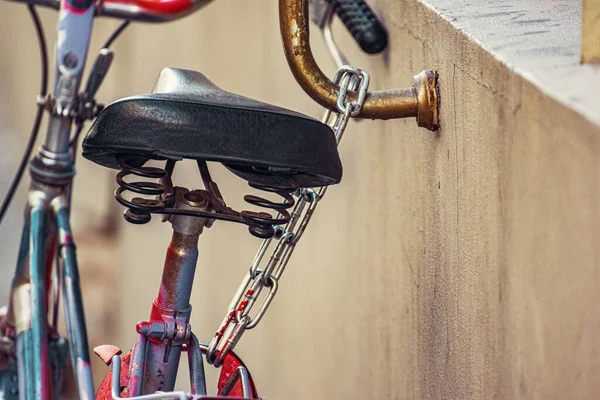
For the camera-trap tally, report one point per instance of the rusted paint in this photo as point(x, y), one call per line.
point(181, 257)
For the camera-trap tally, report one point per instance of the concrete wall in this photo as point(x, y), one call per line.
point(458, 264)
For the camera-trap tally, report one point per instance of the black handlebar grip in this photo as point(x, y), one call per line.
point(363, 24)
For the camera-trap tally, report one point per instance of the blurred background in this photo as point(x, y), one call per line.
point(236, 45)
point(445, 265)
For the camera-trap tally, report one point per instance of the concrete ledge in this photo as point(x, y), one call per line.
point(537, 39)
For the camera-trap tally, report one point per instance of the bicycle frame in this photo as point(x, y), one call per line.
point(30, 299)
point(46, 230)
point(136, 10)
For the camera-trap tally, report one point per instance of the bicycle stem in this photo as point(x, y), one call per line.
point(420, 100)
point(74, 33)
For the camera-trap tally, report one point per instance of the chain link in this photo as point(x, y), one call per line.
point(257, 280)
point(350, 77)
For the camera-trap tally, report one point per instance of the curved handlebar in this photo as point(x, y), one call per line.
point(420, 100)
point(136, 10)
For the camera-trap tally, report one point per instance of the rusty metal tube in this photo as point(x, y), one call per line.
point(418, 101)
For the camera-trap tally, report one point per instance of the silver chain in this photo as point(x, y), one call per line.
point(238, 318)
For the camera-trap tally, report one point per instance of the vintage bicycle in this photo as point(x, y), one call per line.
point(186, 117)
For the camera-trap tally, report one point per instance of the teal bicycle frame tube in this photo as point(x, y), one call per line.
point(39, 320)
point(30, 297)
point(73, 301)
point(23, 339)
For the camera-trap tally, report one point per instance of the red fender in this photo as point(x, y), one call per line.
point(104, 392)
point(231, 362)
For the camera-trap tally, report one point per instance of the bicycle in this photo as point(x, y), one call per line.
point(183, 100)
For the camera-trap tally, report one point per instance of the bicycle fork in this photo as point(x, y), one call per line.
point(41, 352)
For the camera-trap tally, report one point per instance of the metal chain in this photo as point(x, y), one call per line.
point(238, 318)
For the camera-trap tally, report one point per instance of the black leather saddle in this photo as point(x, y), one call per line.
point(187, 116)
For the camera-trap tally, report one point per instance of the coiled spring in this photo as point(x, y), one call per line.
point(261, 224)
point(139, 208)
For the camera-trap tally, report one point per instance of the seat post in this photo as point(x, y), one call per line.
point(168, 327)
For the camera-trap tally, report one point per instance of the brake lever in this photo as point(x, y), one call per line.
point(88, 108)
point(321, 13)
point(98, 72)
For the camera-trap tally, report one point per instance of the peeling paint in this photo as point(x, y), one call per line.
point(295, 33)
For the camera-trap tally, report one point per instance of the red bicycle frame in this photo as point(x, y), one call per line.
point(136, 10)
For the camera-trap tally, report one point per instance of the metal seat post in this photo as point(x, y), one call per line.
point(168, 328)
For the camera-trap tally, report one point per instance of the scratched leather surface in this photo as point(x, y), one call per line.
point(187, 116)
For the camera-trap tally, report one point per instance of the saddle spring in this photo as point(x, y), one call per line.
point(262, 224)
point(139, 208)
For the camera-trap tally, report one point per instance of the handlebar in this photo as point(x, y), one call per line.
point(136, 10)
point(362, 23)
point(420, 100)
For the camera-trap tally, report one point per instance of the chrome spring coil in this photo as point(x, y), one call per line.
point(139, 208)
